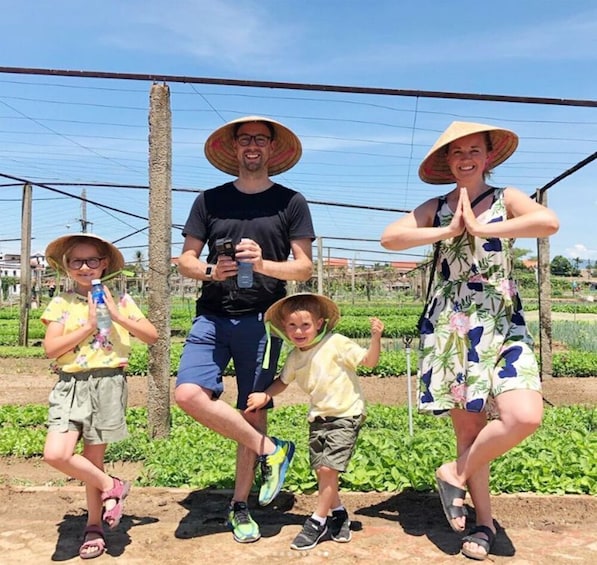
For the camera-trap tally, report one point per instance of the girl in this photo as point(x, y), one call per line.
point(89, 399)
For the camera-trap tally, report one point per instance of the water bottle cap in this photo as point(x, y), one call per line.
point(96, 281)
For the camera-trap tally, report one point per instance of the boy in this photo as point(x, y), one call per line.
point(324, 365)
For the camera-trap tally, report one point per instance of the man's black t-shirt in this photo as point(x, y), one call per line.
point(273, 218)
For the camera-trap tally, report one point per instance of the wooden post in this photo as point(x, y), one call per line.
point(544, 282)
point(319, 265)
point(160, 229)
point(25, 284)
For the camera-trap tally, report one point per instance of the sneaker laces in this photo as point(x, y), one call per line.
point(241, 513)
point(265, 468)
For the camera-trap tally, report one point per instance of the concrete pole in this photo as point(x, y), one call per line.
point(160, 230)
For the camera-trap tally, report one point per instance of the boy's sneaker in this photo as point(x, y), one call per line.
point(244, 528)
point(273, 470)
point(340, 526)
point(310, 535)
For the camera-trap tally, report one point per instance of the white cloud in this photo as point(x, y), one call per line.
point(581, 251)
point(559, 39)
point(223, 32)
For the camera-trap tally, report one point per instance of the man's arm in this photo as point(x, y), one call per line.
point(300, 269)
point(189, 264)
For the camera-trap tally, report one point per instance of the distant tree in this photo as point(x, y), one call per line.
point(139, 258)
point(561, 266)
point(5, 284)
point(576, 270)
point(517, 255)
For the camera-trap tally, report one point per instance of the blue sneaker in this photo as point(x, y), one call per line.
point(273, 470)
point(244, 528)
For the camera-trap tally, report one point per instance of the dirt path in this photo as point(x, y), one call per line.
point(179, 527)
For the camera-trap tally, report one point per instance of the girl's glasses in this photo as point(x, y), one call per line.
point(91, 262)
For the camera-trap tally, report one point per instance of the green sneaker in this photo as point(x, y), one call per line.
point(273, 470)
point(244, 528)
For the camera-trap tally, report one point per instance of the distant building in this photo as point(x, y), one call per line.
point(405, 279)
point(10, 266)
point(404, 267)
point(336, 263)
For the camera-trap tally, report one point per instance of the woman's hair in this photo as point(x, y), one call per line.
point(297, 303)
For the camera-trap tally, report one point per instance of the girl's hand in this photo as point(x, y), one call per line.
point(112, 307)
point(91, 316)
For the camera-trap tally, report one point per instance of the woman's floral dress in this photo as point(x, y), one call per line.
point(474, 340)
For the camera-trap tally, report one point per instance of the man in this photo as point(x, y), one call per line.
point(266, 222)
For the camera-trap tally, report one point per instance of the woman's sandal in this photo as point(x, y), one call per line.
point(96, 545)
point(448, 494)
point(118, 492)
point(474, 537)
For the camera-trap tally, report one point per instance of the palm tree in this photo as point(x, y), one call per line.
point(140, 271)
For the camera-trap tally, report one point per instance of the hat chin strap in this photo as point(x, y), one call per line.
point(269, 328)
point(116, 273)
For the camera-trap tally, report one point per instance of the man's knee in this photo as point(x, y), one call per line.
point(189, 396)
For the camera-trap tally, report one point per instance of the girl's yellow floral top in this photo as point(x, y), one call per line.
point(99, 350)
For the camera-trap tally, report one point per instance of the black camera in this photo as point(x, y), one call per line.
point(224, 246)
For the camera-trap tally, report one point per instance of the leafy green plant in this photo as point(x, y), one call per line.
point(561, 457)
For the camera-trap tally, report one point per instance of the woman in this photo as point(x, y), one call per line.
point(476, 351)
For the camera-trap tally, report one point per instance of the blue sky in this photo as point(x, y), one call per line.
point(362, 150)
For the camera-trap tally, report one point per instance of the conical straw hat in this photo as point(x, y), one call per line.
point(220, 152)
point(329, 310)
point(434, 168)
point(56, 250)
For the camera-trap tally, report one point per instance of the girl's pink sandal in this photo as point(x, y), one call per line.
point(96, 545)
point(118, 492)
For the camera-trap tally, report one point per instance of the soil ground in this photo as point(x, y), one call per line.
point(42, 523)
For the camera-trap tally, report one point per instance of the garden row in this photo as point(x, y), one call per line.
point(579, 338)
point(560, 458)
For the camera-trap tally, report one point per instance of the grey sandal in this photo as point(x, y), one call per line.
point(474, 537)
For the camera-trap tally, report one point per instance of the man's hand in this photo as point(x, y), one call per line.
point(225, 268)
point(249, 251)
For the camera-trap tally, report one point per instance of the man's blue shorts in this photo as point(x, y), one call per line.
point(214, 340)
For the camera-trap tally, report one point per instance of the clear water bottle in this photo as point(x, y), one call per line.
point(104, 321)
point(244, 277)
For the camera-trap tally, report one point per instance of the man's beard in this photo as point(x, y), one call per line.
point(254, 165)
